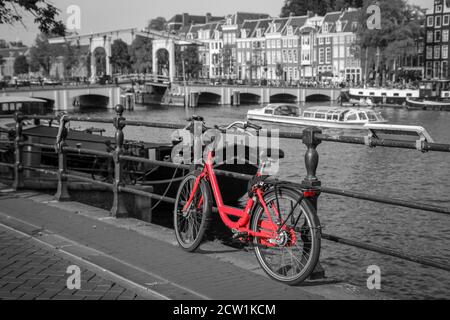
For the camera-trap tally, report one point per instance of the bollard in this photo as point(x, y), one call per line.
point(118, 209)
point(62, 193)
point(311, 182)
point(18, 141)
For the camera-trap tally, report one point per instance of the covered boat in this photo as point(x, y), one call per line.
point(26, 105)
point(326, 117)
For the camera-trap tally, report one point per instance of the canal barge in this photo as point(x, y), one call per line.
point(434, 95)
point(384, 96)
point(164, 180)
point(26, 105)
point(326, 117)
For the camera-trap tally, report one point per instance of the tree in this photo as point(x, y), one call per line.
point(21, 65)
point(45, 14)
point(141, 54)
point(43, 54)
point(120, 57)
point(188, 55)
point(158, 24)
point(400, 31)
point(321, 7)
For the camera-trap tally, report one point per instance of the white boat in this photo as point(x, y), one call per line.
point(325, 117)
point(384, 96)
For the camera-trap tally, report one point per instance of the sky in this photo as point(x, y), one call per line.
point(106, 15)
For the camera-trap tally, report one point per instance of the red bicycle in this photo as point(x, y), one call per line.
point(278, 219)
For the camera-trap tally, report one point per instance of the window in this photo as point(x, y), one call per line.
point(430, 36)
point(321, 56)
point(446, 21)
point(437, 52)
point(352, 117)
point(429, 69)
point(289, 31)
point(445, 52)
point(438, 21)
point(437, 36)
point(429, 53)
point(328, 55)
point(258, 33)
point(328, 40)
point(444, 35)
point(444, 69)
point(320, 40)
point(439, 8)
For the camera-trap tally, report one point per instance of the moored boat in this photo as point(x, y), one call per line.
point(384, 96)
point(423, 104)
point(26, 105)
point(326, 117)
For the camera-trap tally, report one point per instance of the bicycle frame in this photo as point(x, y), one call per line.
point(243, 224)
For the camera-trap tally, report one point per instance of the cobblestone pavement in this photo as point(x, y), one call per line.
point(32, 271)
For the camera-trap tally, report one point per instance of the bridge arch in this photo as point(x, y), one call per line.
point(283, 98)
point(92, 101)
point(169, 46)
point(317, 97)
point(209, 98)
point(250, 98)
point(101, 45)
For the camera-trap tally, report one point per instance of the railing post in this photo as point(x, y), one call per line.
point(311, 181)
point(118, 209)
point(18, 151)
point(311, 157)
point(62, 193)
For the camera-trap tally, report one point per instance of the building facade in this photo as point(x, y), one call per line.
point(246, 46)
point(437, 28)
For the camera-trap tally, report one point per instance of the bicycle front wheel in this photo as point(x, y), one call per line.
point(291, 255)
point(191, 223)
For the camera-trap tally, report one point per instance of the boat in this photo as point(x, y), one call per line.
point(26, 105)
point(326, 117)
point(164, 180)
point(434, 95)
point(424, 104)
point(384, 96)
point(363, 102)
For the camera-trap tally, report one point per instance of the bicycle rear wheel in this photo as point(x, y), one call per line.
point(190, 225)
point(292, 255)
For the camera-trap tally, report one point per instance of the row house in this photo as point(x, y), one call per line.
point(210, 54)
point(231, 32)
point(437, 26)
point(256, 46)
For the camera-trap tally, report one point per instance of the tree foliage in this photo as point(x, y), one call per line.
point(141, 55)
point(45, 14)
point(158, 24)
point(120, 57)
point(321, 7)
point(21, 65)
point(399, 34)
point(188, 55)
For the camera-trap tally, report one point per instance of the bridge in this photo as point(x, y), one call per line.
point(65, 98)
point(228, 94)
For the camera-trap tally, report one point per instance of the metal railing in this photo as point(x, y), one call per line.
point(311, 137)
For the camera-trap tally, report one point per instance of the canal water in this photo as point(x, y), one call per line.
point(403, 174)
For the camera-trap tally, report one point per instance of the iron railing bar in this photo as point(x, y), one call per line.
point(386, 200)
point(146, 194)
point(88, 180)
point(8, 165)
point(387, 252)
